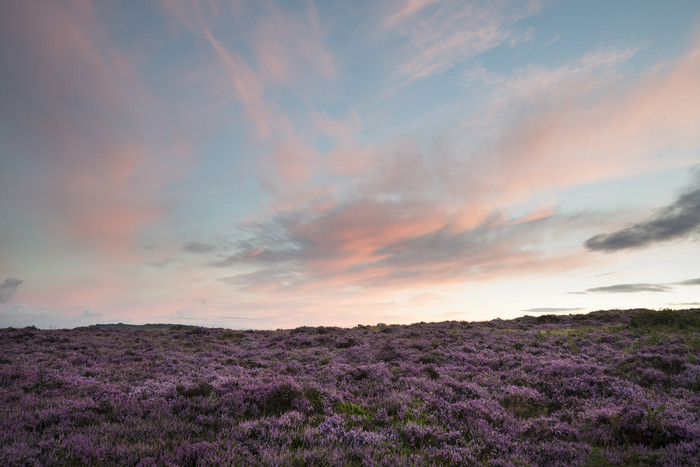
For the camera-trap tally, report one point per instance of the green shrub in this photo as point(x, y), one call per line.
point(597, 459)
point(230, 336)
point(522, 407)
point(348, 408)
point(281, 399)
point(680, 320)
point(315, 397)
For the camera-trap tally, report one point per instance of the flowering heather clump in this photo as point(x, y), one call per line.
point(604, 388)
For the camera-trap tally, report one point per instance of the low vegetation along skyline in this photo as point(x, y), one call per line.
point(275, 164)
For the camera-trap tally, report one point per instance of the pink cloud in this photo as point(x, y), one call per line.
point(395, 246)
point(352, 160)
point(288, 45)
point(339, 130)
point(409, 8)
point(577, 125)
point(539, 213)
point(535, 83)
point(84, 163)
point(295, 161)
point(356, 233)
point(286, 52)
point(408, 220)
point(445, 34)
point(248, 87)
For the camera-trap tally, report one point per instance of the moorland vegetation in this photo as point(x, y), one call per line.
point(606, 388)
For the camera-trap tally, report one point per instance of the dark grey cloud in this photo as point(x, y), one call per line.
point(198, 247)
point(689, 282)
point(7, 289)
point(259, 255)
point(631, 288)
point(161, 263)
point(677, 220)
point(552, 310)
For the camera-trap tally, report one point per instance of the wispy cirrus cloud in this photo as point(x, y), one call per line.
point(408, 9)
point(532, 83)
point(443, 34)
point(287, 43)
point(586, 130)
point(678, 220)
point(271, 52)
point(246, 83)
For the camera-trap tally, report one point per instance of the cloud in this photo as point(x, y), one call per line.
point(396, 215)
point(161, 263)
point(72, 103)
point(8, 288)
point(198, 248)
point(409, 8)
point(443, 34)
point(633, 288)
point(589, 130)
point(264, 280)
point(552, 310)
point(367, 243)
point(678, 220)
point(690, 282)
point(630, 288)
point(246, 83)
point(403, 217)
point(413, 217)
point(91, 313)
point(536, 82)
point(284, 53)
point(287, 43)
point(23, 315)
point(291, 44)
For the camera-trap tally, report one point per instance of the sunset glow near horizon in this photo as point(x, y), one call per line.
point(274, 164)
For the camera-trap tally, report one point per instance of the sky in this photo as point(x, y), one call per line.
point(271, 164)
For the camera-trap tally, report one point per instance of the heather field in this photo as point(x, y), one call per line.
point(607, 388)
